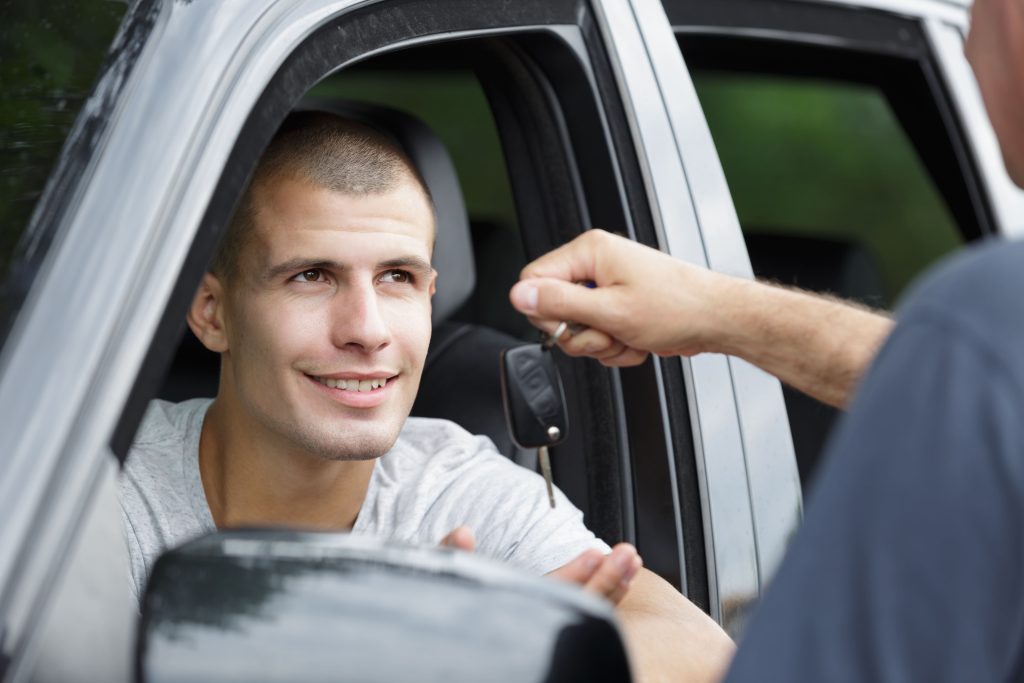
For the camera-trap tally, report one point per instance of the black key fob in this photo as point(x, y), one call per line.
point(534, 400)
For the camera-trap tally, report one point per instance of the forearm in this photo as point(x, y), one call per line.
point(668, 637)
point(817, 344)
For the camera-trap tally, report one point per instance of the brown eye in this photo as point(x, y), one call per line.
point(312, 275)
point(399, 277)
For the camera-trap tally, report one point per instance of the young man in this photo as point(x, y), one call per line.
point(909, 564)
point(319, 303)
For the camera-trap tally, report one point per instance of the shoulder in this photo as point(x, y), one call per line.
point(978, 284)
point(157, 453)
point(166, 422)
point(974, 296)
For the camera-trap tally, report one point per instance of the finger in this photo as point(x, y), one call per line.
point(627, 358)
point(551, 299)
point(571, 262)
point(581, 569)
point(622, 589)
point(591, 342)
point(460, 538)
point(615, 568)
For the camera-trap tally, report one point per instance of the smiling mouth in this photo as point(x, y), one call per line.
point(354, 385)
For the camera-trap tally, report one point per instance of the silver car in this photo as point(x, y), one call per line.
point(839, 145)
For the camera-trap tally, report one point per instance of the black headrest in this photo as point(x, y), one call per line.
point(453, 250)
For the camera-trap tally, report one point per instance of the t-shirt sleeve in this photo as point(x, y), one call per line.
point(507, 508)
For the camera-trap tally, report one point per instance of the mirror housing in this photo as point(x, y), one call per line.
point(262, 606)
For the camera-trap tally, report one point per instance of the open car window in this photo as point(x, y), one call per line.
point(847, 164)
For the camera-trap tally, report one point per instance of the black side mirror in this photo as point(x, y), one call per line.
point(262, 606)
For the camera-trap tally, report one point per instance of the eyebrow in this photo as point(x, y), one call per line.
point(418, 265)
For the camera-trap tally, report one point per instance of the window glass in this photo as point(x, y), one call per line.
point(831, 196)
point(50, 54)
point(827, 163)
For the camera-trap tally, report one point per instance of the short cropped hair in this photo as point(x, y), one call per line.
point(326, 150)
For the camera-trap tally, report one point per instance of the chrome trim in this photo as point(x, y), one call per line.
point(952, 11)
point(1007, 200)
point(762, 34)
point(677, 509)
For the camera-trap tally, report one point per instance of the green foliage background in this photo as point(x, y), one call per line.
point(820, 158)
point(50, 56)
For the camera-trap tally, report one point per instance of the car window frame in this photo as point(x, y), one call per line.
point(849, 35)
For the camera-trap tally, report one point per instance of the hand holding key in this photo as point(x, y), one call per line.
point(645, 301)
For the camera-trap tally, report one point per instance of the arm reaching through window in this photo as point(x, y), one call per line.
point(648, 302)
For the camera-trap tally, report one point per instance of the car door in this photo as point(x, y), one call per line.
point(193, 94)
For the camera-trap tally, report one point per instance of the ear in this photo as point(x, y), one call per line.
point(433, 283)
point(206, 315)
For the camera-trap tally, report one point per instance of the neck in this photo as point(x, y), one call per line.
point(254, 481)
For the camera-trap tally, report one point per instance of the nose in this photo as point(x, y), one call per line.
point(357, 321)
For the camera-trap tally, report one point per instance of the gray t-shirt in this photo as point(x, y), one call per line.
point(436, 477)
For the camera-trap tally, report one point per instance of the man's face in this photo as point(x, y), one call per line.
point(328, 319)
point(995, 49)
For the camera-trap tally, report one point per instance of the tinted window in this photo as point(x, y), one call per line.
point(845, 166)
point(50, 54)
point(822, 172)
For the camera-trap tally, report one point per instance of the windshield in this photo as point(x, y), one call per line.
point(50, 55)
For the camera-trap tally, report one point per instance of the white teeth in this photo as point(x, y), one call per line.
point(353, 384)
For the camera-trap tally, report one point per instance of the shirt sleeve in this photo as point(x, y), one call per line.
point(508, 510)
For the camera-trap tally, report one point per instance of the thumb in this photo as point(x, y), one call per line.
point(581, 569)
point(460, 538)
point(552, 299)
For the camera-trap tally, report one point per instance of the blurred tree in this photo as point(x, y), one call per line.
point(50, 55)
point(827, 159)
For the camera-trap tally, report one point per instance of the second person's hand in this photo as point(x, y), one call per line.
point(644, 301)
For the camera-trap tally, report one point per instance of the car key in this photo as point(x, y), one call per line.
point(534, 402)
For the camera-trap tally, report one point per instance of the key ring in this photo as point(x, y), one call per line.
point(553, 338)
point(564, 326)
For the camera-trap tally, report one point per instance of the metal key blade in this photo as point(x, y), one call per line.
point(545, 469)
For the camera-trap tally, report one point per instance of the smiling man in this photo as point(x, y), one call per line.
point(318, 302)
